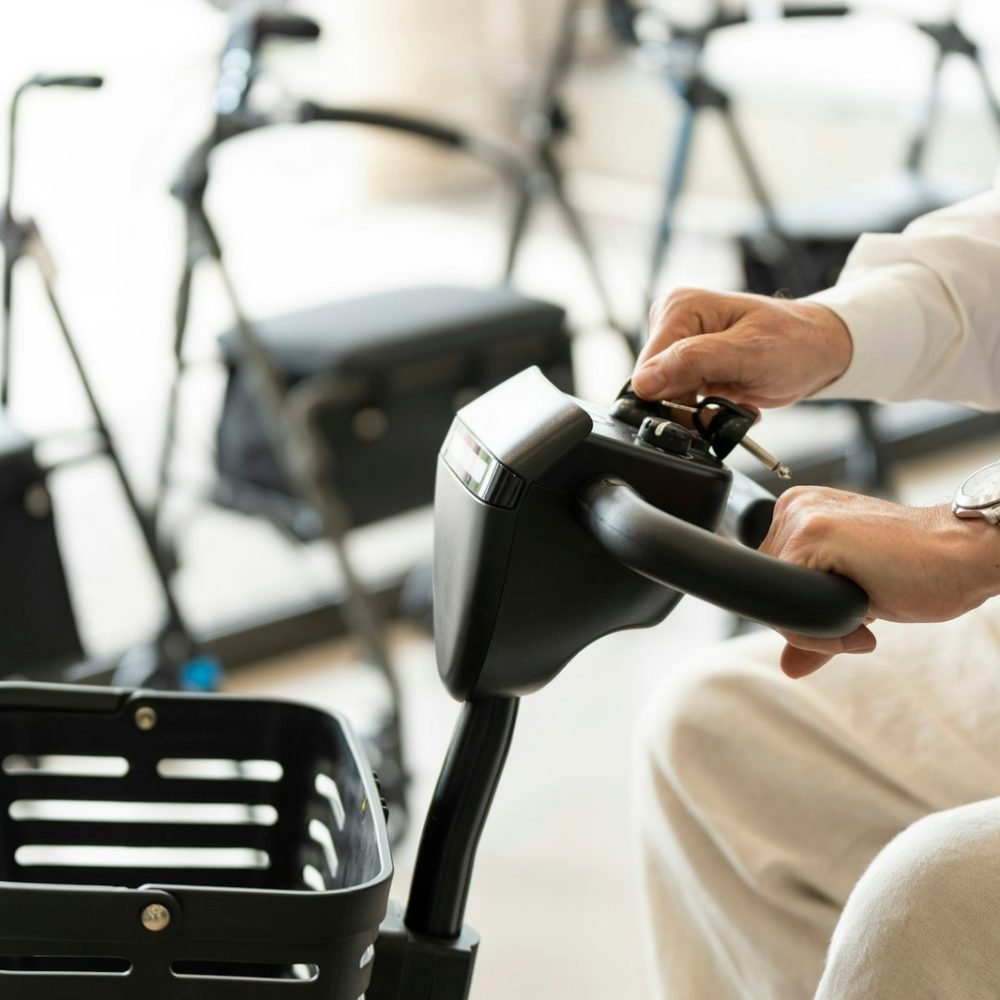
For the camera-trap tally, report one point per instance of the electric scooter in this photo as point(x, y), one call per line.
point(244, 838)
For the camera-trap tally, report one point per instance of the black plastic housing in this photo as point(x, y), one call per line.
point(519, 590)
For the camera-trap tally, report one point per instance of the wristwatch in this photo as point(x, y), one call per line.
point(979, 495)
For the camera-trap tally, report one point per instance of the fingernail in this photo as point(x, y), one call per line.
point(646, 380)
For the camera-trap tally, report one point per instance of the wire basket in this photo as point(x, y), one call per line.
point(184, 847)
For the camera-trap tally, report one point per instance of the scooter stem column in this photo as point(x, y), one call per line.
point(468, 780)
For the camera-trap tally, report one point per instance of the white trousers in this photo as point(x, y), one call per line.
point(835, 837)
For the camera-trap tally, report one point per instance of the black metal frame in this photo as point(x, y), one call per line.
point(546, 122)
point(288, 419)
point(21, 238)
point(682, 57)
point(683, 74)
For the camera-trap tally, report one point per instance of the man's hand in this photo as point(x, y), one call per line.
point(748, 348)
point(917, 564)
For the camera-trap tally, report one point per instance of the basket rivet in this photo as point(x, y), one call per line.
point(145, 718)
point(155, 917)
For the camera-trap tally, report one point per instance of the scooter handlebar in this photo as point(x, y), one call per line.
point(694, 561)
point(748, 512)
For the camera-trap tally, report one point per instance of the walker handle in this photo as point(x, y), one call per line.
point(286, 25)
point(83, 82)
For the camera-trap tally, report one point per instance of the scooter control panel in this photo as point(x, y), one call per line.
point(514, 568)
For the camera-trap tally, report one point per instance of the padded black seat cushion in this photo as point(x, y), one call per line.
point(399, 364)
point(382, 330)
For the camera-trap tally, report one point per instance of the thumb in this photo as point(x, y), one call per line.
point(687, 366)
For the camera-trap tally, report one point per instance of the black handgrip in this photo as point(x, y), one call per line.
point(420, 127)
point(819, 10)
point(286, 26)
point(748, 513)
point(505, 161)
point(84, 82)
point(692, 560)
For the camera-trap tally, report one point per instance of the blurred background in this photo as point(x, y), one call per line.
point(757, 146)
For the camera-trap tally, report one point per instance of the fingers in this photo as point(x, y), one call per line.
point(688, 312)
point(796, 663)
point(805, 519)
point(670, 319)
point(801, 528)
point(691, 366)
point(746, 348)
point(804, 655)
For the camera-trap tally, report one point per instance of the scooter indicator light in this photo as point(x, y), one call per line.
point(479, 470)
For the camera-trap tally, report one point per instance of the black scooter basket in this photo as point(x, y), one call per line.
point(182, 847)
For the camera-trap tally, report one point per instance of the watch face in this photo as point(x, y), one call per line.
point(981, 489)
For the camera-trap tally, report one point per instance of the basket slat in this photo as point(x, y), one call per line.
point(174, 835)
point(44, 786)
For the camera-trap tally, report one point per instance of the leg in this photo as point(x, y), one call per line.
point(922, 921)
point(761, 800)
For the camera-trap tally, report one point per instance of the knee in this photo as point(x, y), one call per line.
point(923, 916)
point(934, 872)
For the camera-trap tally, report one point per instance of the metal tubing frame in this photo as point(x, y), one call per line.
point(21, 238)
point(544, 124)
point(676, 171)
point(949, 39)
point(288, 420)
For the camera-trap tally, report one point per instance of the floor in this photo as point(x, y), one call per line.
point(553, 896)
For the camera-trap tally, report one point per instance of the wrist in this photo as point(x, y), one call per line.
point(832, 340)
point(973, 547)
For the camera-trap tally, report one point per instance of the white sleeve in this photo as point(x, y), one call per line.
point(923, 309)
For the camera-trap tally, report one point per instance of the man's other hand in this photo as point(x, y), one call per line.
point(917, 564)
